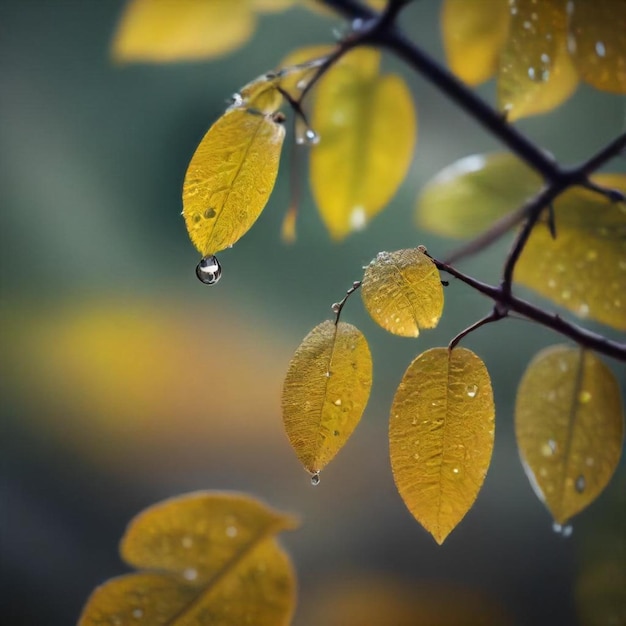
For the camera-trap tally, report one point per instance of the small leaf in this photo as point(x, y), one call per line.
point(160, 31)
point(474, 32)
point(402, 292)
point(325, 392)
point(441, 434)
point(230, 178)
point(366, 122)
point(209, 558)
point(584, 268)
point(536, 73)
point(466, 197)
point(569, 428)
point(597, 43)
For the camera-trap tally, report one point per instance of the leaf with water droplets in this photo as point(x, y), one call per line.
point(569, 428)
point(584, 268)
point(367, 128)
point(466, 197)
point(230, 178)
point(159, 31)
point(536, 73)
point(402, 292)
point(325, 392)
point(597, 43)
point(208, 558)
point(441, 433)
point(474, 31)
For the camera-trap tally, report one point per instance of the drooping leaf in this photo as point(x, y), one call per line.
point(207, 558)
point(366, 123)
point(163, 31)
point(441, 433)
point(466, 197)
point(325, 392)
point(584, 268)
point(569, 428)
point(536, 73)
point(230, 178)
point(474, 32)
point(597, 43)
point(402, 292)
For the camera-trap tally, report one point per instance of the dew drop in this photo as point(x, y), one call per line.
point(455, 470)
point(589, 461)
point(190, 573)
point(583, 309)
point(311, 138)
point(471, 390)
point(584, 397)
point(566, 294)
point(209, 213)
point(186, 541)
point(315, 479)
point(600, 49)
point(337, 402)
point(327, 374)
point(209, 270)
point(231, 531)
point(336, 433)
point(580, 484)
point(335, 308)
point(549, 447)
point(551, 283)
point(567, 531)
point(137, 613)
point(358, 219)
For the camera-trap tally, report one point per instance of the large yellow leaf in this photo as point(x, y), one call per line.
point(584, 268)
point(569, 427)
point(325, 392)
point(597, 42)
point(441, 434)
point(466, 197)
point(162, 30)
point(230, 178)
point(366, 122)
point(208, 558)
point(474, 32)
point(402, 292)
point(536, 73)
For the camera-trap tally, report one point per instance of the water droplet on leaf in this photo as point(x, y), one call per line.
point(584, 397)
point(315, 479)
point(190, 573)
point(581, 483)
point(209, 270)
point(471, 390)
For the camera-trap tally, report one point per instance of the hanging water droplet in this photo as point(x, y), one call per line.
point(580, 484)
point(311, 138)
point(566, 531)
point(315, 479)
point(190, 573)
point(471, 390)
point(335, 308)
point(209, 270)
point(236, 100)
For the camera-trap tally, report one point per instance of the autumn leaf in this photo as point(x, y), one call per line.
point(367, 128)
point(441, 434)
point(584, 268)
point(402, 292)
point(230, 178)
point(597, 43)
point(466, 197)
point(325, 392)
point(205, 558)
point(474, 32)
point(160, 31)
point(536, 73)
point(569, 428)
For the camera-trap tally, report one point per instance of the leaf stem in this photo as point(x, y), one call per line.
point(337, 307)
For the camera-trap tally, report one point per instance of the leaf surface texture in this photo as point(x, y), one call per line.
point(402, 292)
point(569, 428)
point(441, 434)
point(325, 392)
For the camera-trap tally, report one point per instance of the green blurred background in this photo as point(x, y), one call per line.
point(125, 381)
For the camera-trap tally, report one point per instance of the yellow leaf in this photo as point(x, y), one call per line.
point(402, 292)
point(325, 392)
point(466, 197)
point(162, 30)
point(367, 127)
point(584, 268)
point(536, 73)
point(210, 558)
point(597, 43)
point(474, 32)
point(230, 178)
point(441, 434)
point(569, 428)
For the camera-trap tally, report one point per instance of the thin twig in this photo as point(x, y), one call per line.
point(337, 307)
point(495, 315)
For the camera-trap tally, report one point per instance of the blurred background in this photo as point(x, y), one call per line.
point(125, 381)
